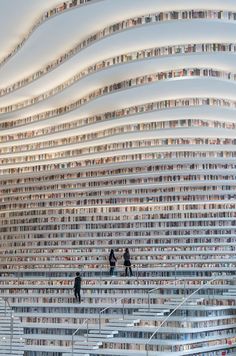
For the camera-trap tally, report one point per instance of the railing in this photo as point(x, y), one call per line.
point(110, 306)
point(177, 307)
point(117, 301)
point(161, 286)
point(75, 332)
point(100, 323)
point(123, 304)
point(149, 292)
point(7, 304)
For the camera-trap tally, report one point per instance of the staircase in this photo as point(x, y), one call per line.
point(122, 323)
point(94, 338)
point(91, 340)
point(178, 299)
point(83, 347)
point(152, 312)
point(11, 332)
point(230, 293)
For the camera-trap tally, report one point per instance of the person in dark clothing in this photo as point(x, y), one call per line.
point(127, 263)
point(77, 286)
point(112, 261)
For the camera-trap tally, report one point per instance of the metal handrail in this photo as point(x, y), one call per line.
point(7, 303)
point(110, 306)
point(176, 308)
point(12, 320)
point(87, 321)
point(123, 298)
point(160, 287)
point(100, 314)
point(75, 332)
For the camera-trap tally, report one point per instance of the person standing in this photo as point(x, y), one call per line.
point(112, 261)
point(127, 263)
point(77, 286)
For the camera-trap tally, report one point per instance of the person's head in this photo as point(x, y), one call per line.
point(77, 274)
point(126, 250)
point(112, 251)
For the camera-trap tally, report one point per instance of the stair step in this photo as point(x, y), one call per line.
point(124, 320)
point(182, 300)
point(159, 310)
point(182, 296)
point(86, 347)
point(125, 325)
point(148, 314)
point(98, 336)
point(184, 304)
point(12, 353)
point(77, 353)
point(96, 331)
point(86, 343)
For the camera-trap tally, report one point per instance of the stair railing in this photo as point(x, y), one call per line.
point(123, 303)
point(7, 304)
point(176, 308)
point(123, 300)
point(75, 332)
point(162, 286)
point(110, 306)
point(100, 323)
